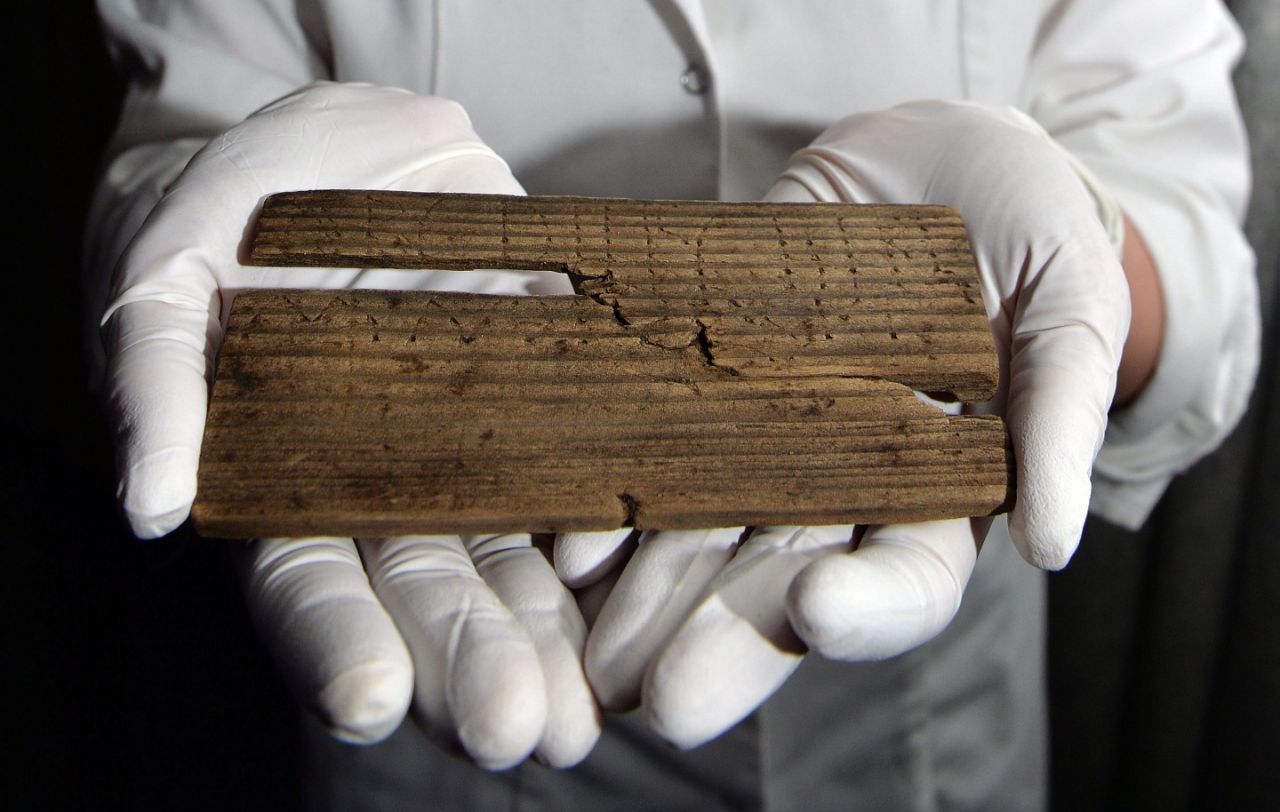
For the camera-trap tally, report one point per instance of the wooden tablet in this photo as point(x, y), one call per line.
point(723, 364)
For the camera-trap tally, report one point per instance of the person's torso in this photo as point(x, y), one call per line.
point(676, 99)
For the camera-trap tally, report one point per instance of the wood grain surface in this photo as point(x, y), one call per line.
point(722, 365)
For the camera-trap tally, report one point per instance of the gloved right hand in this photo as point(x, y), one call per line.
point(479, 632)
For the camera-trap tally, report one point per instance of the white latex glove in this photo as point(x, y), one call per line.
point(1058, 303)
point(478, 631)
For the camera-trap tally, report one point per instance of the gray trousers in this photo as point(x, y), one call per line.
point(956, 724)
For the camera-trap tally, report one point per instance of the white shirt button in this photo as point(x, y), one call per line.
point(694, 80)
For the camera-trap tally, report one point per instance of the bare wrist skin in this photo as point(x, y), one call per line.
point(1146, 328)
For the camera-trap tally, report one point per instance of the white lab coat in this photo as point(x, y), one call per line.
point(689, 99)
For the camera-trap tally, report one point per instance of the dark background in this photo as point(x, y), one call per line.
point(139, 679)
point(138, 676)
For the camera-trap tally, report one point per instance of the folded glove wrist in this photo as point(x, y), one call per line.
point(1109, 212)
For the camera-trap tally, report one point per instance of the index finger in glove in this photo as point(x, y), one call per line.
point(660, 583)
point(478, 677)
point(736, 647)
point(523, 580)
point(337, 646)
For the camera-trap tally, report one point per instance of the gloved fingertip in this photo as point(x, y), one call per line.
point(1043, 551)
point(573, 717)
point(680, 734)
point(581, 559)
point(496, 763)
point(676, 715)
point(568, 747)
point(688, 716)
point(365, 704)
point(156, 492)
point(1046, 534)
point(680, 714)
point(659, 586)
point(1056, 440)
point(151, 526)
point(731, 654)
point(501, 727)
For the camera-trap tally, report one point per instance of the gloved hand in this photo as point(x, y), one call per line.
point(478, 631)
point(703, 630)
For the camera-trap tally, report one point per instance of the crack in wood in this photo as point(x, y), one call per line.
point(632, 507)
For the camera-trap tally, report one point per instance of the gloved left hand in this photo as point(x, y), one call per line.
point(702, 629)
